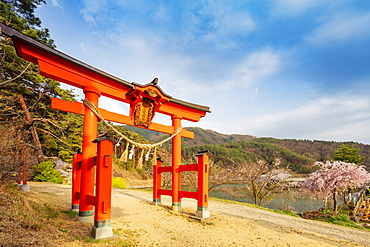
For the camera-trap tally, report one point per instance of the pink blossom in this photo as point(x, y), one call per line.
point(335, 177)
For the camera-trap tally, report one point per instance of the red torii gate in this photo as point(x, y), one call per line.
point(61, 67)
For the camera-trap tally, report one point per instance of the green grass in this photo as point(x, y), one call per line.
point(119, 183)
point(287, 212)
point(50, 213)
point(71, 214)
point(342, 220)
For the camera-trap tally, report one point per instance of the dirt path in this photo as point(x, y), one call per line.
point(134, 218)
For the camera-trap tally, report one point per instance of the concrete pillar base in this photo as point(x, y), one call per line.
point(176, 206)
point(102, 232)
point(25, 188)
point(202, 214)
point(86, 219)
point(76, 208)
point(157, 202)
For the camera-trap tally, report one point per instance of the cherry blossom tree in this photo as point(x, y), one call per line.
point(335, 178)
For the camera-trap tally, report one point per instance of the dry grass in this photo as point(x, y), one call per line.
point(36, 219)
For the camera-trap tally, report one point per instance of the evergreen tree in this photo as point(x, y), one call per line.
point(347, 153)
point(25, 94)
point(45, 172)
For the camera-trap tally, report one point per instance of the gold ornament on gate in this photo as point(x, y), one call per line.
point(144, 112)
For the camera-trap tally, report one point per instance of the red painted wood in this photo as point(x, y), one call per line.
point(76, 180)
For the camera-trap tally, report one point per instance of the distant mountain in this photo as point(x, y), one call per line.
point(201, 136)
point(302, 152)
point(210, 137)
point(317, 150)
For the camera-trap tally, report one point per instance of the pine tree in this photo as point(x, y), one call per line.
point(347, 153)
point(25, 97)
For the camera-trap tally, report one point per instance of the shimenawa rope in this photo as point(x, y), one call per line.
point(154, 146)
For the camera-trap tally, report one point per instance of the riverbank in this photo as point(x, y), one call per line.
point(139, 223)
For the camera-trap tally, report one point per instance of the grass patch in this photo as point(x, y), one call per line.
point(342, 220)
point(287, 212)
point(119, 183)
point(127, 237)
point(71, 214)
point(50, 213)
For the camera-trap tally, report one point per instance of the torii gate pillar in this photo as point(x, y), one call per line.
point(90, 132)
point(176, 162)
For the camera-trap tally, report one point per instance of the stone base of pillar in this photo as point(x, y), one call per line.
point(202, 213)
point(86, 219)
point(102, 232)
point(25, 188)
point(157, 201)
point(86, 216)
point(76, 208)
point(176, 206)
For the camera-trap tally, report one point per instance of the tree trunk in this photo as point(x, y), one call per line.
point(335, 201)
point(35, 137)
point(345, 196)
point(254, 191)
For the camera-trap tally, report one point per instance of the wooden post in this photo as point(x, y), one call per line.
point(25, 170)
point(103, 192)
point(19, 177)
point(203, 170)
point(89, 134)
point(176, 162)
point(76, 180)
point(24, 175)
point(157, 183)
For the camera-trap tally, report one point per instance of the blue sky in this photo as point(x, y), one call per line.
point(280, 68)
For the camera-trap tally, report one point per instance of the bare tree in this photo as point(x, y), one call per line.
point(262, 181)
point(13, 150)
point(217, 176)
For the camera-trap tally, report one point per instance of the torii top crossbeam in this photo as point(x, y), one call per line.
point(61, 67)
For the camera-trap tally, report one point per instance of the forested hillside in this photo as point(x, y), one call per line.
point(317, 150)
point(201, 136)
point(299, 155)
point(231, 154)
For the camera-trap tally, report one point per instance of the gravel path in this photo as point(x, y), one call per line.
point(325, 232)
point(231, 224)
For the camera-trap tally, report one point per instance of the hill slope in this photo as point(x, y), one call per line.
point(201, 136)
point(296, 152)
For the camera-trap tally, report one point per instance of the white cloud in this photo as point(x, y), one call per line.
point(238, 22)
point(343, 118)
point(254, 68)
point(161, 13)
point(55, 3)
point(294, 7)
point(216, 21)
point(342, 28)
point(91, 8)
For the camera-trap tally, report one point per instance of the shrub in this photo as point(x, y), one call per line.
point(342, 220)
point(45, 172)
point(119, 183)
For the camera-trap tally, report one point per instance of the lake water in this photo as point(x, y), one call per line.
point(298, 200)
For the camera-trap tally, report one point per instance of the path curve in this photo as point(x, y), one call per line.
point(230, 224)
